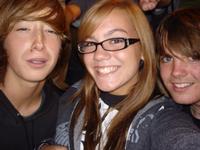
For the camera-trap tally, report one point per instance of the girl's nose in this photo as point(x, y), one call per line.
point(101, 54)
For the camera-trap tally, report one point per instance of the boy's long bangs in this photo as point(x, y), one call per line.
point(184, 43)
point(50, 12)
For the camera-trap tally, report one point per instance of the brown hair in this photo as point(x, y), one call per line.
point(179, 32)
point(138, 95)
point(13, 11)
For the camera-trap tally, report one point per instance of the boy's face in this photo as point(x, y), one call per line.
point(33, 49)
point(181, 77)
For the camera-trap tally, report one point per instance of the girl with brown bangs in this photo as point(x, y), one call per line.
point(112, 107)
point(33, 63)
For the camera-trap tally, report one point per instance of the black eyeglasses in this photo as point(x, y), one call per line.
point(112, 44)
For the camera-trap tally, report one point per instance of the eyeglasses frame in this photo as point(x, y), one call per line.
point(128, 42)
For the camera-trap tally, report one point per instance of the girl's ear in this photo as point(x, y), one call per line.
point(141, 63)
point(142, 57)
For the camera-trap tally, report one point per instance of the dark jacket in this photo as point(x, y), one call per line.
point(160, 125)
point(25, 133)
point(196, 121)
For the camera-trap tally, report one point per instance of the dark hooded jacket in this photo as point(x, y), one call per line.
point(25, 133)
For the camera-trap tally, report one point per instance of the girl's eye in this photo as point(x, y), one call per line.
point(88, 44)
point(116, 40)
point(165, 59)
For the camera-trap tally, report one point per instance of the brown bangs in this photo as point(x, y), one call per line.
point(180, 33)
point(51, 12)
point(181, 39)
point(90, 23)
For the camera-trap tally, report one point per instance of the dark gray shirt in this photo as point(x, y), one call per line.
point(160, 125)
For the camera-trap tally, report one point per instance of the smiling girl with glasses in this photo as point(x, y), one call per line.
point(112, 106)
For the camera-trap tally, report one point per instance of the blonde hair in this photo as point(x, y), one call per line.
point(140, 93)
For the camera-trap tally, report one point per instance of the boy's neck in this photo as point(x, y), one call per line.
point(25, 98)
point(195, 110)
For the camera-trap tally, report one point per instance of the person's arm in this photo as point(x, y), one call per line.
point(147, 5)
point(72, 12)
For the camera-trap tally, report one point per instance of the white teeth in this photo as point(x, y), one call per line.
point(106, 70)
point(37, 61)
point(182, 85)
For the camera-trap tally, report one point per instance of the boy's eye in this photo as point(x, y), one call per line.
point(165, 58)
point(52, 31)
point(194, 57)
point(22, 29)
